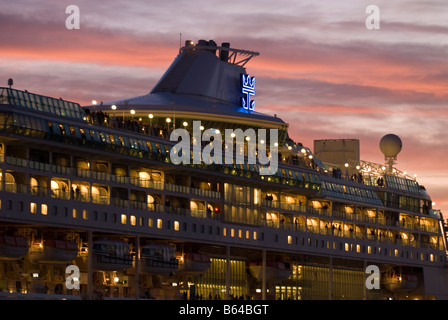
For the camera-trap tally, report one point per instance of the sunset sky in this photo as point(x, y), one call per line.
point(320, 69)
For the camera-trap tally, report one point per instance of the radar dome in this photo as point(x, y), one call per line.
point(390, 145)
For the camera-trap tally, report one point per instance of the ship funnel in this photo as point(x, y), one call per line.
point(224, 54)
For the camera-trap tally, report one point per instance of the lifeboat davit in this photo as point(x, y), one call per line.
point(394, 281)
point(53, 251)
point(193, 263)
point(158, 259)
point(13, 247)
point(111, 255)
point(275, 270)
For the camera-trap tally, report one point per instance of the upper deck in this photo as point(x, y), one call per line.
point(59, 121)
point(42, 104)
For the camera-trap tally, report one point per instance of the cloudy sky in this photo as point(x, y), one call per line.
point(320, 69)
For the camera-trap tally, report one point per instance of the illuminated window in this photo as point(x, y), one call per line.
point(33, 207)
point(133, 220)
point(84, 214)
point(232, 232)
point(247, 234)
point(75, 214)
point(159, 223)
point(224, 232)
point(123, 219)
point(255, 235)
point(369, 249)
point(346, 246)
point(150, 223)
point(240, 233)
point(289, 240)
point(358, 248)
point(176, 225)
point(44, 209)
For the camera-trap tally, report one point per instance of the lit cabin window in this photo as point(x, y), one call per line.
point(289, 240)
point(84, 214)
point(43, 209)
point(133, 220)
point(123, 219)
point(33, 207)
point(176, 225)
point(159, 223)
point(75, 213)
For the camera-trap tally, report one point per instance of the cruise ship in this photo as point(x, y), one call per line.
point(93, 206)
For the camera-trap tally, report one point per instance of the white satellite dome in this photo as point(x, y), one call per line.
point(390, 145)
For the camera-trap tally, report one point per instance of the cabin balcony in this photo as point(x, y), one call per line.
point(84, 169)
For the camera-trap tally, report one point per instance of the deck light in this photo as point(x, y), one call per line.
point(113, 107)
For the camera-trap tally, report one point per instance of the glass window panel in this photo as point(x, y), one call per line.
point(126, 141)
point(87, 134)
point(77, 133)
point(143, 145)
